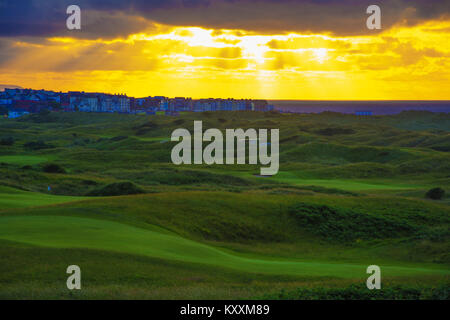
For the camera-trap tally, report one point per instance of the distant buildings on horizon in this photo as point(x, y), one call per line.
point(23, 101)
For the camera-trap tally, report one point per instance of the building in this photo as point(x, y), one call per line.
point(86, 102)
point(363, 113)
point(181, 104)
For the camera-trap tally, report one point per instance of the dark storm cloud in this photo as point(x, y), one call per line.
point(46, 18)
point(106, 19)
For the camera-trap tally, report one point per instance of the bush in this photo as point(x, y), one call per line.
point(37, 145)
point(53, 168)
point(345, 225)
point(435, 194)
point(43, 116)
point(178, 122)
point(8, 141)
point(115, 139)
point(3, 111)
point(145, 128)
point(116, 189)
point(334, 131)
point(44, 112)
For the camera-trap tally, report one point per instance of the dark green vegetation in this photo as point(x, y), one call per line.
point(435, 193)
point(360, 292)
point(351, 192)
point(116, 189)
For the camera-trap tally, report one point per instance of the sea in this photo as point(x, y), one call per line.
point(360, 107)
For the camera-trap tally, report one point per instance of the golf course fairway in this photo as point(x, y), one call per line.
point(15, 198)
point(75, 232)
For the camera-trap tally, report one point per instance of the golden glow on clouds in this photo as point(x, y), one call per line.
point(400, 63)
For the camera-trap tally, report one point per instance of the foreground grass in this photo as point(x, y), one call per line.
point(110, 275)
point(73, 232)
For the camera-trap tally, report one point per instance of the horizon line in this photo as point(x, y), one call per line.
point(268, 99)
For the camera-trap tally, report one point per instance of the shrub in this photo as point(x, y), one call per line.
point(37, 145)
point(334, 131)
point(145, 128)
point(44, 112)
point(345, 225)
point(3, 111)
point(178, 122)
point(8, 141)
point(53, 168)
point(43, 116)
point(116, 189)
point(435, 194)
point(117, 138)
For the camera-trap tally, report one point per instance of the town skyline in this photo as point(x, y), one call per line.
point(16, 102)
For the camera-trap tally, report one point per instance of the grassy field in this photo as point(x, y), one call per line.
point(23, 159)
point(346, 184)
point(15, 198)
point(75, 232)
point(350, 193)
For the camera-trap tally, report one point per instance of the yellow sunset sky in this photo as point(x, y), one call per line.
point(401, 62)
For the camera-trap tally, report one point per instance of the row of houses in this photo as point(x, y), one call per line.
point(22, 101)
point(99, 102)
point(181, 104)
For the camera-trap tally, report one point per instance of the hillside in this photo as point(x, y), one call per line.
point(100, 191)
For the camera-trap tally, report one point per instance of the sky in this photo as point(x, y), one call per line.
point(283, 49)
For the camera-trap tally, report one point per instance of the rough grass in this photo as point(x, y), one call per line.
point(350, 193)
point(360, 292)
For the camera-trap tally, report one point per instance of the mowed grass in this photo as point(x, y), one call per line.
point(23, 159)
point(344, 184)
point(14, 198)
point(76, 232)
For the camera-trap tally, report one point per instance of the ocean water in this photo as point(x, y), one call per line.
point(352, 107)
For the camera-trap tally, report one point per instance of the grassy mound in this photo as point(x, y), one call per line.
point(116, 189)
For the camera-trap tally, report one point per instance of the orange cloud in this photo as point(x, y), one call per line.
point(400, 63)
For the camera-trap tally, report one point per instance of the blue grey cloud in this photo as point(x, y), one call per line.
point(103, 18)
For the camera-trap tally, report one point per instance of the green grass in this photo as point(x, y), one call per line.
point(74, 232)
point(14, 198)
point(350, 193)
point(344, 184)
point(23, 159)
